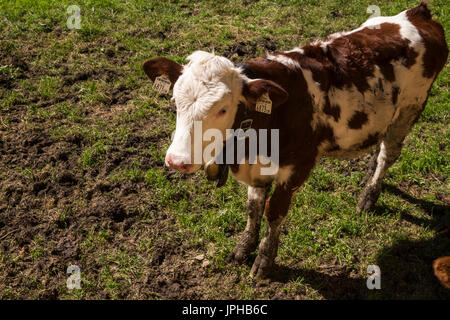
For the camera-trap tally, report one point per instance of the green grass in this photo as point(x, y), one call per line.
point(112, 110)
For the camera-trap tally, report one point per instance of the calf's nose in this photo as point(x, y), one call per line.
point(177, 163)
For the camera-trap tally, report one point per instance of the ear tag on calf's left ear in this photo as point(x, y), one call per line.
point(264, 104)
point(162, 84)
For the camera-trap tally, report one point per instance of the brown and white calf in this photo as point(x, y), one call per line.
point(338, 97)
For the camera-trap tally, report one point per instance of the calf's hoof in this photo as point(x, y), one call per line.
point(368, 199)
point(262, 267)
point(365, 205)
point(239, 254)
point(246, 245)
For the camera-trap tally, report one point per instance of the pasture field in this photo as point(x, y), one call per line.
point(82, 177)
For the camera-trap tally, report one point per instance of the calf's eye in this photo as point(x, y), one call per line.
point(221, 112)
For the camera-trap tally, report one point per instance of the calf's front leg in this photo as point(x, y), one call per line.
point(276, 211)
point(248, 240)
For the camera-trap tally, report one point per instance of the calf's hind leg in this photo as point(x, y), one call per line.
point(390, 149)
point(248, 240)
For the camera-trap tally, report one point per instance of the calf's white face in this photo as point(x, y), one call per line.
point(206, 95)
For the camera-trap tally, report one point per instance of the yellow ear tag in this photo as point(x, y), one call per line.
point(162, 84)
point(264, 104)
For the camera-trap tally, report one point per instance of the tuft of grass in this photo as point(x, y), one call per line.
point(92, 155)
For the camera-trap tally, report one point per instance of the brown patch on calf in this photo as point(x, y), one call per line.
point(297, 145)
point(358, 119)
point(332, 110)
point(371, 140)
point(314, 60)
point(360, 51)
point(328, 135)
point(433, 36)
point(351, 59)
point(395, 92)
point(162, 66)
point(324, 132)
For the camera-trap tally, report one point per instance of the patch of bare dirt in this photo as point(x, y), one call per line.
point(239, 50)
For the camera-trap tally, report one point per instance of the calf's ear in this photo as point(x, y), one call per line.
point(253, 90)
point(162, 66)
